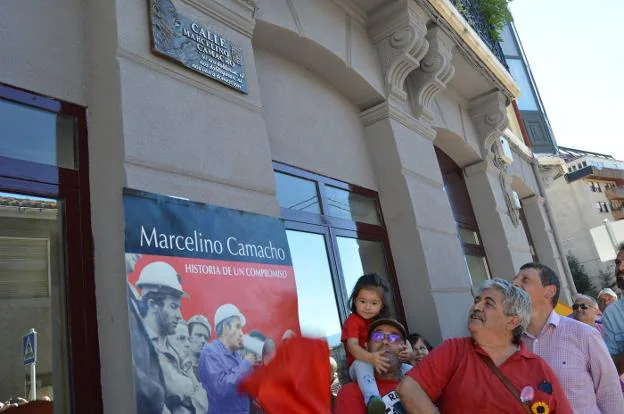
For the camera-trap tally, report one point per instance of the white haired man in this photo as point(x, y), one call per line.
point(491, 370)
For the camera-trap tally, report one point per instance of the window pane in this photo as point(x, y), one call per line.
point(507, 42)
point(477, 267)
point(469, 236)
point(526, 101)
point(36, 135)
point(318, 312)
point(297, 193)
point(351, 206)
point(32, 297)
point(358, 257)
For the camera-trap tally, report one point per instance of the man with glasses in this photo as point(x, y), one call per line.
point(585, 310)
point(386, 335)
point(613, 318)
point(575, 351)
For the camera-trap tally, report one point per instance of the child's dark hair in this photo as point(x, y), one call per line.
point(414, 337)
point(371, 281)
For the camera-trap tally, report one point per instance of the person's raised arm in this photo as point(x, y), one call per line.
point(414, 399)
point(376, 359)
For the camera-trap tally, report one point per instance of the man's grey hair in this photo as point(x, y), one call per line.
point(516, 302)
point(589, 298)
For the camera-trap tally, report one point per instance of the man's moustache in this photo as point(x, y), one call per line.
point(477, 315)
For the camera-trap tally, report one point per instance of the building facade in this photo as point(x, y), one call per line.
point(585, 189)
point(373, 128)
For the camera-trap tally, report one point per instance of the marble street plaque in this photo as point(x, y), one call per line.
point(189, 43)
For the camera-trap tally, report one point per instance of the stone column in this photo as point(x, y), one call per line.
point(544, 240)
point(489, 186)
point(505, 244)
point(428, 257)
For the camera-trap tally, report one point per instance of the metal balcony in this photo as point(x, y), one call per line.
point(472, 13)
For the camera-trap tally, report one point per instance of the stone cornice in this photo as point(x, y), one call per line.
point(436, 70)
point(489, 114)
point(236, 14)
point(480, 167)
point(353, 9)
point(534, 199)
point(398, 31)
point(394, 110)
point(445, 10)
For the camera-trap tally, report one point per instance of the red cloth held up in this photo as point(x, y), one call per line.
point(297, 380)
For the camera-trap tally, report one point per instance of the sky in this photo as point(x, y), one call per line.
point(576, 53)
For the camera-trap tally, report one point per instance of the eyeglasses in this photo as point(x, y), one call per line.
point(580, 305)
point(380, 336)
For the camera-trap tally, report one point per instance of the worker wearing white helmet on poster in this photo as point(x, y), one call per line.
point(221, 368)
point(161, 294)
point(199, 331)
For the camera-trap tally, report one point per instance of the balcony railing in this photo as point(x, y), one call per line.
point(472, 13)
point(614, 193)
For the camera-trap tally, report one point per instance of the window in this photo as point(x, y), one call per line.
point(526, 101)
point(336, 234)
point(46, 263)
point(602, 207)
point(467, 228)
point(598, 188)
point(584, 163)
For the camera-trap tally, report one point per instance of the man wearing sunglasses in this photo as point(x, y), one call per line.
point(386, 335)
point(585, 310)
point(613, 318)
point(575, 351)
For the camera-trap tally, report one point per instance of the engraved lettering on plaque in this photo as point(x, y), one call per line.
point(205, 51)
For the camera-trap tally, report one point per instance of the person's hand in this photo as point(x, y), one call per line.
point(405, 353)
point(380, 362)
point(251, 357)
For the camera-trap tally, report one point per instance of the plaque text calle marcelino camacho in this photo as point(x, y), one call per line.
point(195, 46)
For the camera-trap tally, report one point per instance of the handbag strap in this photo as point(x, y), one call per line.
point(510, 387)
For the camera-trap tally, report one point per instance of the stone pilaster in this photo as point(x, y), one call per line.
point(544, 240)
point(505, 243)
point(427, 254)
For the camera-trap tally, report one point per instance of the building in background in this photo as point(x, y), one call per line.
point(380, 131)
point(585, 189)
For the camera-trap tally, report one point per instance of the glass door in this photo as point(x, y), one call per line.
point(32, 297)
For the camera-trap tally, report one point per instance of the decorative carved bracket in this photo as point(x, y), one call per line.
point(399, 32)
point(436, 70)
point(489, 114)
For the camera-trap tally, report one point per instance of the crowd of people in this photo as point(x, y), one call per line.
point(521, 355)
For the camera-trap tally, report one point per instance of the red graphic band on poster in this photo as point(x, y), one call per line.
point(265, 294)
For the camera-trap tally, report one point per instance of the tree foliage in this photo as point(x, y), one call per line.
point(496, 13)
point(581, 278)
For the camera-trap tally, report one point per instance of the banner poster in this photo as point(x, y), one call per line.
point(211, 294)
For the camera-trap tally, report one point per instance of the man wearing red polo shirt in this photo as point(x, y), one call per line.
point(468, 375)
point(386, 335)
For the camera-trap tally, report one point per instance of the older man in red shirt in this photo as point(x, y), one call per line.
point(491, 371)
